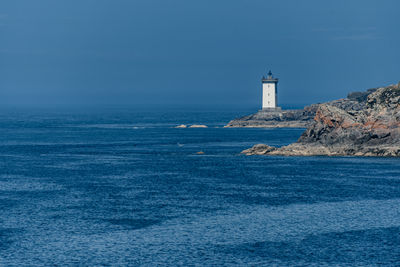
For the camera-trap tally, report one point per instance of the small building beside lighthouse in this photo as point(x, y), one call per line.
point(269, 92)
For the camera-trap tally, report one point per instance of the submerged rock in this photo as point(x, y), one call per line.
point(363, 126)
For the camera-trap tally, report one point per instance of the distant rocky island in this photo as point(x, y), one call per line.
point(363, 124)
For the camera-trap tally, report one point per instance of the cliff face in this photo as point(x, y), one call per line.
point(368, 125)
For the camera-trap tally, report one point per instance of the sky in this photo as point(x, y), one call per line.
point(192, 53)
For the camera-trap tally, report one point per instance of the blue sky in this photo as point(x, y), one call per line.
point(154, 53)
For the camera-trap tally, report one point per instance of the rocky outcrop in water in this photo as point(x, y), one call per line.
point(364, 124)
point(296, 118)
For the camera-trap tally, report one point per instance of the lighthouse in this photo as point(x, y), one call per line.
point(269, 93)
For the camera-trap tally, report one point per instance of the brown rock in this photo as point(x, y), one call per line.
point(348, 127)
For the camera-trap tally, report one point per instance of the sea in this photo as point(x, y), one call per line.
point(126, 188)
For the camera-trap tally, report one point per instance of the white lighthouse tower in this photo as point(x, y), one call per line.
point(269, 93)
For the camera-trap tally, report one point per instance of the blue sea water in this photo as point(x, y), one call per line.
point(128, 189)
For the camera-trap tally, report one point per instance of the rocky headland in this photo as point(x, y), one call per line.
point(363, 124)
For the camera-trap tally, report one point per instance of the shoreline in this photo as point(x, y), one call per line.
point(365, 125)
